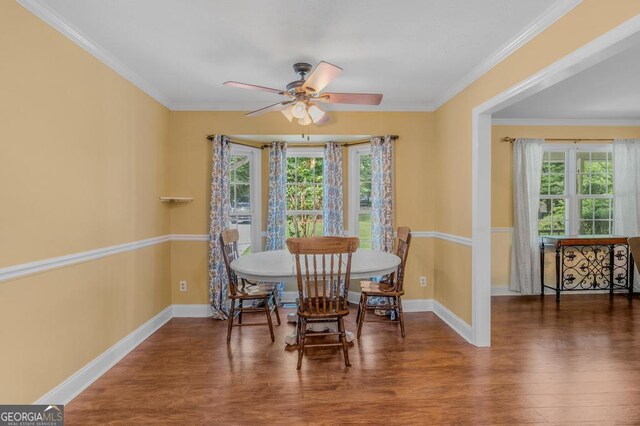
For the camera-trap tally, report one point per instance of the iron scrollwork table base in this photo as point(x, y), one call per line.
point(589, 263)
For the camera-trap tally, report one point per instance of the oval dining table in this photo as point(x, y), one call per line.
point(279, 266)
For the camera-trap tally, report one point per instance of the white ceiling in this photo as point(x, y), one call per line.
point(609, 90)
point(418, 53)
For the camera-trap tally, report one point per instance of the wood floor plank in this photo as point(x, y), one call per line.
point(550, 363)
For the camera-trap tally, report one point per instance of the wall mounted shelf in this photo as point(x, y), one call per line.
point(176, 199)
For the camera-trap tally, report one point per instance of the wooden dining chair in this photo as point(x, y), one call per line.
point(323, 270)
point(390, 287)
point(241, 290)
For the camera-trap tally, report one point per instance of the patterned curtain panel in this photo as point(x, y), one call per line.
point(219, 220)
point(277, 204)
point(332, 201)
point(277, 207)
point(382, 194)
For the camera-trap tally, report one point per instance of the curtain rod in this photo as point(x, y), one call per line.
point(321, 145)
point(351, 143)
point(574, 140)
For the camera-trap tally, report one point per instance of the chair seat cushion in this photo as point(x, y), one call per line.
point(374, 287)
point(255, 291)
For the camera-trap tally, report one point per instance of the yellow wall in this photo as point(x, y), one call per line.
point(82, 164)
point(501, 180)
point(190, 154)
point(583, 24)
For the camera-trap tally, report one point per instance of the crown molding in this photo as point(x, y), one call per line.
point(221, 107)
point(544, 21)
point(48, 15)
point(565, 122)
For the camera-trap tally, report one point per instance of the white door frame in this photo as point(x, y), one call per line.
point(605, 46)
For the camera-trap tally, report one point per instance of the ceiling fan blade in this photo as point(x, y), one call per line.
point(325, 119)
point(321, 76)
point(253, 87)
point(351, 98)
point(275, 107)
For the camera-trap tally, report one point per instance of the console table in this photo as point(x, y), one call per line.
point(589, 263)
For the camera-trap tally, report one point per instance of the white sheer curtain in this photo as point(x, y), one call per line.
point(527, 170)
point(626, 187)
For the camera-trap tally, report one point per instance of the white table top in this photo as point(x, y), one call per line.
point(279, 265)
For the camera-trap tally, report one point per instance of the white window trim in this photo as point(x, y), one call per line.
point(354, 153)
point(573, 216)
point(255, 167)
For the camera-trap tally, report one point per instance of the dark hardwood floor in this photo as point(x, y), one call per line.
point(577, 361)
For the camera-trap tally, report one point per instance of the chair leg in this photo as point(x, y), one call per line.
point(240, 314)
point(343, 339)
point(302, 335)
point(230, 320)
point(267, 310)
point(400, 315)
point(363, 313)
point(275, 308)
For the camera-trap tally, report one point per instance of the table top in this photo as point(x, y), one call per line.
point(279, 265)
point(586, 240)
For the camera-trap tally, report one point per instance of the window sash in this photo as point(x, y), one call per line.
point(572, 204)
point(255, 194)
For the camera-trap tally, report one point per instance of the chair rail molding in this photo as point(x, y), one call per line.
point(28, 268)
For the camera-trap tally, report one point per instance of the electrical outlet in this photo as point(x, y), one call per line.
point(183, 286)
point(423, 281)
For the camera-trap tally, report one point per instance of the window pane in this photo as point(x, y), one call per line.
point(365, 194)
point(557, 166)
point(556, 184)
point(291, 169)
point(364, 229)
point(243, 196)
point(240, 168)
point(304, 225)
point(586, 208)
point(593, 173)
point(553, 174)
point(602, 208)
point(365, 168)
point(602, 227)
point(552, 217)
point(544, 184)
point(243, 224)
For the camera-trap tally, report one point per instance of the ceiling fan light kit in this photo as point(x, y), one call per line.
point(304, 94)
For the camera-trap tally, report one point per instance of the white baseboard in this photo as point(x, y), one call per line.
point(192, 311)
point(79, 381)
point(453, 321)
point(503, 291)
point(418, 305)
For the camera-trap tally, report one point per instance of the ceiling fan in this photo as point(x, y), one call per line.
point(305, 94)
